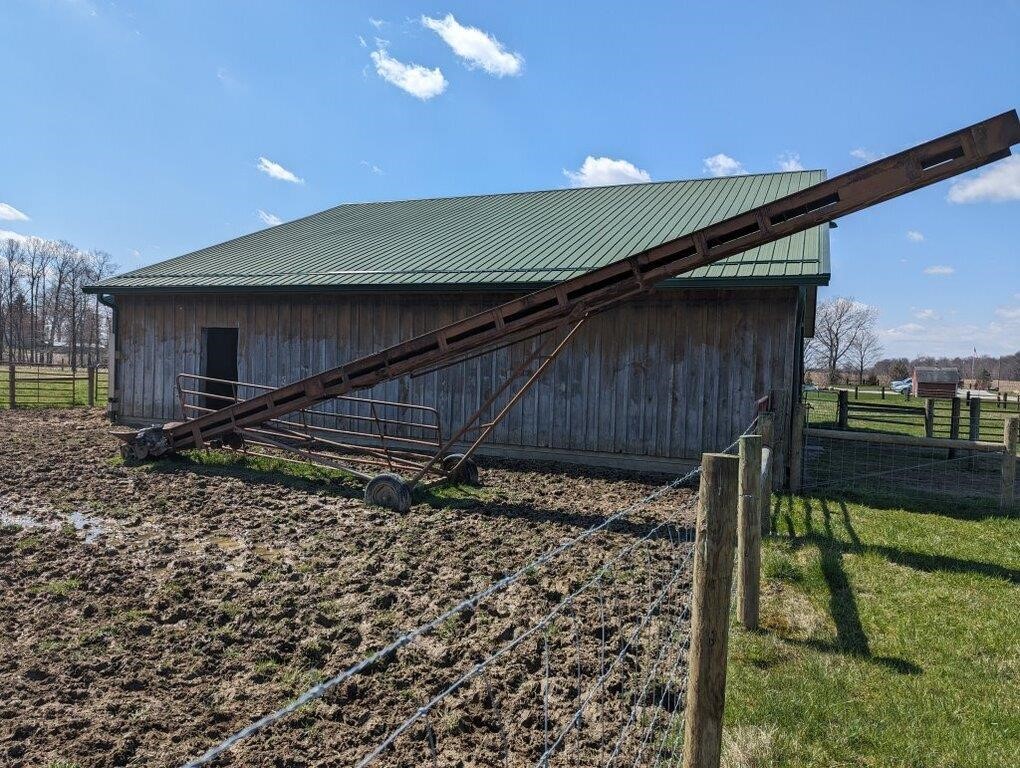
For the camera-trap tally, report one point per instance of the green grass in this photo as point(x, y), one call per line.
point(31, 392)
point(822, 412)
point(889, 638)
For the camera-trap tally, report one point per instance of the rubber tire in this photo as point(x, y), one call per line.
point(390, 491)
point(468, 472)
point(234, 440)
point(140, 452)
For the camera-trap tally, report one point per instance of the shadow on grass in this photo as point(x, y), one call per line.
point(920, 561)
point(851, 639)
point(258, 470)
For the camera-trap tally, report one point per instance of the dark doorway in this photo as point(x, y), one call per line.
point(220, 363)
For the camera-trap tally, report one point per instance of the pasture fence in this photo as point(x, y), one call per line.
point(607, 649)
point(915, 466)
point(961, 417)
point(52, 386)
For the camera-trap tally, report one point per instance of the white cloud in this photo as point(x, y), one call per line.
point(10, 213)
point(269, 219)
point(1008, 313)
point(914, 236)
point(476, 47)
point(604, 171)
point(866, 155)
point(926, 314)
point(789, 161)
point(277, 171)
point(939, 269)
point(226, 78)
point(421, 82)
point(361, 40)
point(6, 234)
point(953, 338)
point(722, 165)
point(377, 23)
point(373, 167)
point(997, 183)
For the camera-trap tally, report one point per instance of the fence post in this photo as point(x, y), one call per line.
point(11, 400)
point(91, 386)
point(974, 428)
point(883, 391)
point(929, 417)
point(749, 530)
point(843, 408)
point(1010, 431)
point(797, 448)
point(710, 610)
point(954, 419)
point(767, 426)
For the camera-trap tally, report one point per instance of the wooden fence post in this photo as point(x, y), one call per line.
point(974, 428)
point(843, 408)
point(954, 424)
point(749, 530)
point(11, 399)
point(883, 391)
point(954, 419)
point(797, 448)
point(929, 417)
point(766, 427)
point(710, 610)
point(1010, 431)
point(92, 386)
point(857, 394)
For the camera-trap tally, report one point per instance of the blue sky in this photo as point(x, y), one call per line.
point(150, 129)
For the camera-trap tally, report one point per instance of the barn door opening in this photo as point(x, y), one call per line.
point(220, 363)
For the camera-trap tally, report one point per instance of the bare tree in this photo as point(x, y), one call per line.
point(38, 255)
point(839, 322)
point(865, 351)
point(42, 306)
point(12, 269)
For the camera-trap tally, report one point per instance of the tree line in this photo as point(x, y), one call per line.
point(846, 349)
point(44, 316)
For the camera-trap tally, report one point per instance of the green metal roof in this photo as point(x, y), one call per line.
point(509, 241)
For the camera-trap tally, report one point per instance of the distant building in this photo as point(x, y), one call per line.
point(936, 382)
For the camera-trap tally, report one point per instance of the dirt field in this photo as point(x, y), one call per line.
point(146, 612)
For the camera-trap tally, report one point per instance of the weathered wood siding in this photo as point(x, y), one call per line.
point(666, 377)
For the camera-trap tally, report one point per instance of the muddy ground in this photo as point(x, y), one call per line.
point(147, 612)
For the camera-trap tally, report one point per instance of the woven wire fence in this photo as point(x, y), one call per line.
point(877, 468)
point(577, 657)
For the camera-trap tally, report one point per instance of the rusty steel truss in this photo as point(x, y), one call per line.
point(567, 304)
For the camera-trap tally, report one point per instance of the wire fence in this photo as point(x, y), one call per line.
point(576, 657)
point(51, 386)
point(896, 414)
point(878, 468)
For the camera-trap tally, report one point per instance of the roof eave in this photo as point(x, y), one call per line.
point(699, 282)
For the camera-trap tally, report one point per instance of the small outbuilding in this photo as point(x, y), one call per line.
point(936, 382)
point(650, 384)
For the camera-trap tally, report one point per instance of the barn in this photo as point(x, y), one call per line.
point(649, 385)
point(936, 382)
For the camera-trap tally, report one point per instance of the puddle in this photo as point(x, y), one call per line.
point(24, 521)
point(92, 527)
